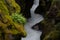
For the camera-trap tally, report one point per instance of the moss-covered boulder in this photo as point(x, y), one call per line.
point(54, 34)
point(8, 27)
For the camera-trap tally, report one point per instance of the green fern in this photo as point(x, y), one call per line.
point(18, 18)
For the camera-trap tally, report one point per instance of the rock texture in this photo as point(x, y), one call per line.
point(25, 7)
point(50, 25)
point(44, 6)
point(52, 18)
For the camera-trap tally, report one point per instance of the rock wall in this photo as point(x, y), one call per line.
point(25, 7)
point(50, 25)
point(44, 6)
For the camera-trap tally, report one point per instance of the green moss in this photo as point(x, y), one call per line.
point(54, 34)
point(18, 18)
point(8, 26)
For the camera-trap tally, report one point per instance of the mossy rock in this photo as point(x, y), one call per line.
point(8, 26)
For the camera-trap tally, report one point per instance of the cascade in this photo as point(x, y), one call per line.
point(35, 18)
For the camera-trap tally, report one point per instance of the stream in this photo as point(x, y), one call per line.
point(35, 18)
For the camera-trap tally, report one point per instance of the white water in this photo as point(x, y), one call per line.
point(35, 18)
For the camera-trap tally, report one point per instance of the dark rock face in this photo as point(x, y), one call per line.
point(22, 4)
point(50, 26)
point(29, 4)
point(44, 6)
point(37, 26)
point(25, 7)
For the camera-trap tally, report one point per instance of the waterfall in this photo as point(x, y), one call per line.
point(35, 18)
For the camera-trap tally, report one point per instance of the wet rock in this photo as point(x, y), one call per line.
point(25, 7)
point(44, 6)
point(48, 26)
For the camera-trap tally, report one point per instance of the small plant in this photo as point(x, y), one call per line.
point(18, 18)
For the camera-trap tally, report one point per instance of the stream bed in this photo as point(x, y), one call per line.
point(35, 18)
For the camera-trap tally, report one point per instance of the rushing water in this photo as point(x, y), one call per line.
point(35, 18)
